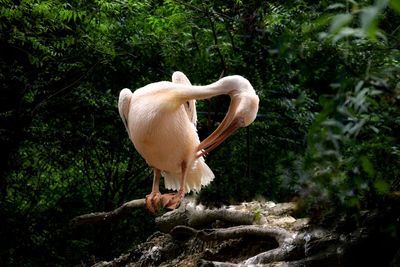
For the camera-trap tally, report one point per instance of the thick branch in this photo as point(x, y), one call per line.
point(196, 216)
point(203, 217)
point(99, 217)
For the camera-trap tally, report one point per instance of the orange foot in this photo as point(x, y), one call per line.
point(172, 201)
point(153, 202)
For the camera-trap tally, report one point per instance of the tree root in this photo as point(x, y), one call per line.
point(288, 242)
point(249, 234)
point(282, 236)
point(197, 216)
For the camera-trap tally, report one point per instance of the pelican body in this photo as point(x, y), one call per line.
point(160, 119)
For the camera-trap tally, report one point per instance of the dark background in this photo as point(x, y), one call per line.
point(327, 134)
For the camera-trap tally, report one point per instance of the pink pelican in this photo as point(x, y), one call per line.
point(160, 119)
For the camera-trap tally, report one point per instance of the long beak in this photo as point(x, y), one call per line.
point(227, 127)
point(210, 144)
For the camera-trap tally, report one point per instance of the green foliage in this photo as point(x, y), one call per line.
point(367, 17)
point(353, 145)
point(327, 132)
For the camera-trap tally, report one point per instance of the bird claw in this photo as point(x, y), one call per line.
point(172, 201)
point(153, 202)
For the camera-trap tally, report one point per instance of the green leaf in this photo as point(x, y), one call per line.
point(354, 202)
point(382, 4)
point(382, 186)
point(335, 6)
point(369, 21)
point(339, 21)
point(395, 4)
point(367, 166)
point(347, 32)
point(359, 86)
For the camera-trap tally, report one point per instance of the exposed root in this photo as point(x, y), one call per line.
point(197, 216)
point(287, 241)
point(250, 234)
point(282, 236)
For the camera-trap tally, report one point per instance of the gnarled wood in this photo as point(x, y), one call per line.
point(197, 216)
point(249, 234)
point(101, 217)
point(280, 235)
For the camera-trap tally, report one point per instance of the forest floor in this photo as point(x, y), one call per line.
point(257, 234)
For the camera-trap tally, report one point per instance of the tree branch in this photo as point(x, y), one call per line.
point(101, 217)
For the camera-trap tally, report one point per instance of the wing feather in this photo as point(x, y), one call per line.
point(190, 105)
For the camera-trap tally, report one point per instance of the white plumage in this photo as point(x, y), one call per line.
point(160, 119)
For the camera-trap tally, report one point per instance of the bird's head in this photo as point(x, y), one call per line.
point(241, 113)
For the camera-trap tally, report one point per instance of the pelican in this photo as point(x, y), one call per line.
point(160, 119)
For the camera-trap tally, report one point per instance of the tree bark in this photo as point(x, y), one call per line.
point(101, 217)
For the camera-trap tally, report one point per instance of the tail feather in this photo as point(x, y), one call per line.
point(200, 175)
